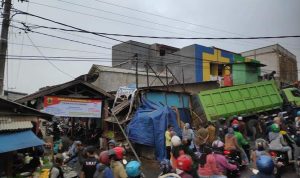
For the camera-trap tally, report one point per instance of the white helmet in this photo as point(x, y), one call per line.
point(217, 144)
point(176, 141)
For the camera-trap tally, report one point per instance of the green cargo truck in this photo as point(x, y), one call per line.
point(246, 100)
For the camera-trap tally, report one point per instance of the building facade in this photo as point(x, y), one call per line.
point(123, 55)
point(111, 78)
point(190, 64)
point(277, 59)
point(197, 63)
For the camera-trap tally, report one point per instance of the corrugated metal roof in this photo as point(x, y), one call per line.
point(8, 125)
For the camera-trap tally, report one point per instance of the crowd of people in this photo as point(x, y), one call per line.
point(202, 153)
point(90, 162)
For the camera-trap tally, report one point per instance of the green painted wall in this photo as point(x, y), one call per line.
point(243, 73)
point(243, 70)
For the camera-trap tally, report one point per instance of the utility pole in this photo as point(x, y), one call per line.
point(136, 71)
point(3, 41)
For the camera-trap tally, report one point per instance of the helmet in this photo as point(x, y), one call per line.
point(235, 122)
point(133, 169)
point(275, 128)
point(176, 141)
point(118, 152)
point(265, 164)
point(184, 163)
point(217, 144)
point(298, 113)
point(112, 142)
point(240, 118)
point(104, 157)
point(261, 144)
point(165, 166)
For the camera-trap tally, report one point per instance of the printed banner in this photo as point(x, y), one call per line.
point(72, 107)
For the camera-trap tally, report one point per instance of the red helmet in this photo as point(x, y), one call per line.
point(184, 162)
point(104, 157)
point(118, 152)
point(234, 122)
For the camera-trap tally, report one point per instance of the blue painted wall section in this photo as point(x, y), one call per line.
point(178, 100)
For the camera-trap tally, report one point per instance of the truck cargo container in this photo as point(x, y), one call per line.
point(246, 100)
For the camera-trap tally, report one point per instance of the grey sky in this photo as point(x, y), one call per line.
point(240, 18)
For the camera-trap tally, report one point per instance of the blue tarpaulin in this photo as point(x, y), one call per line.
point(18, 140)
point(149, 124)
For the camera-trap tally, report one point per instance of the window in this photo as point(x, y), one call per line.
point(162, 52)
point(296, 93)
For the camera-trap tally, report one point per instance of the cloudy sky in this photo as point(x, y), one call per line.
point(189, 18)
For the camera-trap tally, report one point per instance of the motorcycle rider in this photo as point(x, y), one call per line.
point(176, 150)
point(133, 169)
point(265, 166)
point(277, 142)
point(222, 128)
point(231, 141)
point(166, 170)
point(185, 164)
point(261, 147)
point(243, 144)
point(222, 162)
point(103, 169)
point(116, 155)
point(210, 168)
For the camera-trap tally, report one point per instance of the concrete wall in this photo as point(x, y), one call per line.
point(122, 54)
point(111, 81)
point(187, 65)
point(277, 59)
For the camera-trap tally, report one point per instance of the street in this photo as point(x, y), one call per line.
point(151, 170)
point(105, 88)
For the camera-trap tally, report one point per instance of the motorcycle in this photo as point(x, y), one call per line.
point(280, 159)
point(234, 173)
point(234, 156)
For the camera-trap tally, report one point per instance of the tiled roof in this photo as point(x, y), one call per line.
point(10, 125)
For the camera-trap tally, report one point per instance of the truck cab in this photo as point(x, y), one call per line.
point(291, 97)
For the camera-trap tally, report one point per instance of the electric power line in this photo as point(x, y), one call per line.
point(156, 62)
point(108, 60)
point(126, 22)
point(86, 31)
point(178, 38)
point(90, 32)
point(47, 58)
point(135, 18)
point(173, 19)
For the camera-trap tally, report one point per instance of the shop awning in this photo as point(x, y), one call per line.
point(18, 140)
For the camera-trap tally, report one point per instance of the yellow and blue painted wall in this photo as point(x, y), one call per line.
point(205, 56)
